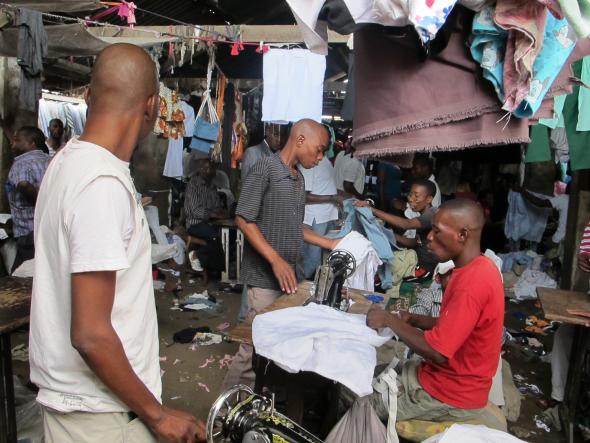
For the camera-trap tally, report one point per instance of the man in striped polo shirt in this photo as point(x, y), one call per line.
point(270, 214)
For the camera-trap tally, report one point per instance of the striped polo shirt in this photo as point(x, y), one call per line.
point(274, 199)
point(585, 242)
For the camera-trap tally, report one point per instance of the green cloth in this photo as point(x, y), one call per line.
point(578, 141)
point(538, 149)
point(557, 120)
point(584, 98)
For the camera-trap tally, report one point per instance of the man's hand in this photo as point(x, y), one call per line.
point(178, 427)
point(584, 261)
point(378, 318)
point(580, 313)
point(362, 204)
point(338, 199)
point(285, 275)
point(404, 316)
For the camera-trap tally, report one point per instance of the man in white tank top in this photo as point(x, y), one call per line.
point(94, 333)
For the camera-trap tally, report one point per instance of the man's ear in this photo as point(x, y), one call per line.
point(152, 107)
point(300, 139)
point(87, 95)
point(429, 199)
point(463, 235)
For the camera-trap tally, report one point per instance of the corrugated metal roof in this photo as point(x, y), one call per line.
point(213, 12)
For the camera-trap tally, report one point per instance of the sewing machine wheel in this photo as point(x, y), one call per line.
point(220, 410)
point(342, 261)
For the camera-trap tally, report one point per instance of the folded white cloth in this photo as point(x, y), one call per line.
point(334, 344)
point(367, 261)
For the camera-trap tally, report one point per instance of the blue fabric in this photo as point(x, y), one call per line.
point(312, 255)
point(206, 130)
point(201, 145)
point(488, 47)
point(519, 257)
point(524, 221)
point(363, 221)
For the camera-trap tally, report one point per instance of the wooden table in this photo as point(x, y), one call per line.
point(555, 303)
point(226, 226)
point(15, 306)
point(242, 333)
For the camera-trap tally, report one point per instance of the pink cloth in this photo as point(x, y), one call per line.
point(525, 22)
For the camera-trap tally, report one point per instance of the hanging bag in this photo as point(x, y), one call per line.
point(206, 131)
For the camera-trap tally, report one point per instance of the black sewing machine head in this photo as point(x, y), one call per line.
point(330, 278)
point(240, 416)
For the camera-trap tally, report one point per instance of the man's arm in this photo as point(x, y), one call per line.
point(317, 240)
point(28, 191)
point(394, 220)
point(94, 337)
point(349, 189)
point(315, 199)
point(283, 272)
point(411, 336)
point(405, 242)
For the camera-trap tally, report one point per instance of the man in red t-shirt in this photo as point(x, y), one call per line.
point(461, 348)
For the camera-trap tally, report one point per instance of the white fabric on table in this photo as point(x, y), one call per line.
point(367, 261)
point(293, 85)
point(472, 434)
point(331, 343)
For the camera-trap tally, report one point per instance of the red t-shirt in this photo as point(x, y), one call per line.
point(469, 333)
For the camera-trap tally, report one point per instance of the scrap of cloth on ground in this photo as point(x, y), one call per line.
point(331, 343)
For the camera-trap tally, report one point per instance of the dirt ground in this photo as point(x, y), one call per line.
point(189, 387)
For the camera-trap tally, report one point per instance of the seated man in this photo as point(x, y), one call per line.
point(202, 204)
point(22, 186)
point(420, 200)
point(461, 348)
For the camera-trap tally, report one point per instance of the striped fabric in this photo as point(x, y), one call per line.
point(275, 200)
point(199, 201)
point(28, 167)
point(585, 243)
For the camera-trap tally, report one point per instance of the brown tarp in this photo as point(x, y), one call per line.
point(63, 41)
point(57, 6)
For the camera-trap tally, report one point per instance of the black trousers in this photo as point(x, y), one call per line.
point(211, 255)
point(25, 250)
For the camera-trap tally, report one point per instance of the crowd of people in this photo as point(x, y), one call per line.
point(93, 336)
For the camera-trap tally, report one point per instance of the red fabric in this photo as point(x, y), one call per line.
point(469, 334)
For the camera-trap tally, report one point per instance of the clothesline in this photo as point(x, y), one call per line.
point(237, 45)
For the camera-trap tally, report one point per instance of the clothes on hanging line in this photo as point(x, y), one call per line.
point(348, 16)
point(521, 52)
point(73, 116)
point(293, 85)
point(31, 52)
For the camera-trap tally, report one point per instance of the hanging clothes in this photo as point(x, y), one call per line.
point(31, 52)
point(436, 113)
point(293, 85)
point(522, 86)
point(524, 221)
point(538, 149)
point(578, 141)
point(174, 159)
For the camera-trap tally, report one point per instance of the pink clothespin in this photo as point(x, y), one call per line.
point(236, 48)
point(262, 48)
point(127, 10)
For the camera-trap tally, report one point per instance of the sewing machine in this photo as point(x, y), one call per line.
point(330, 278)
point(241, 416)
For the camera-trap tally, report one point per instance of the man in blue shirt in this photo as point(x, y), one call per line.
point(22, 186)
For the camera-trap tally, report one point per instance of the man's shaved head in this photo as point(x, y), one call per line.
point(122, 98)
point(466, 213)
point(456, 229)
point(311, 140)
point(124, 76)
